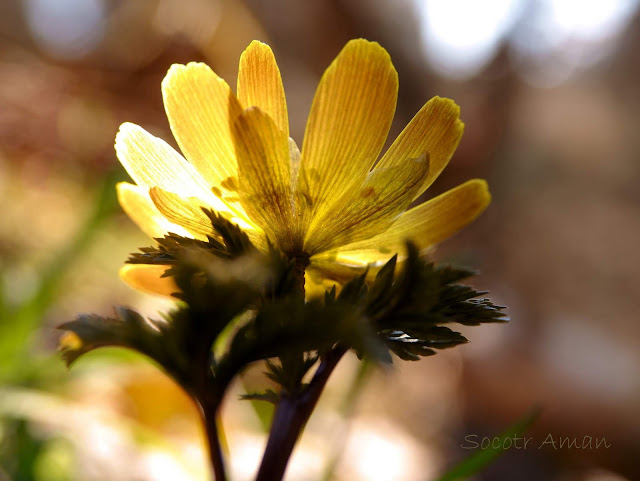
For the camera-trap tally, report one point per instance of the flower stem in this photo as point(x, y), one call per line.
point(291, 415)
point(300, 262)
point(215, 450)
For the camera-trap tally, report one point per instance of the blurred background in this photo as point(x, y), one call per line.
point(550, 95)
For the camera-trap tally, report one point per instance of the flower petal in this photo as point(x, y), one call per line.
point(201, 109)
point(435, 129)
point(150, 161)
point(384, 195)
point(294, 161)
point(137, 204)
point(265, 178)
point(184, 211)
point(148, 278)
point(328, 271)
point(348, 123)
point(187, 212)
point(317, 284)
point(426, 225)
point(260, 84)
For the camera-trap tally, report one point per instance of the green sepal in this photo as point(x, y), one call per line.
point(407, 307)
point(153, 338)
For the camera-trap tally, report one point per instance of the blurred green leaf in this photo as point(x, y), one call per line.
point(17, 323)
point(483, 457)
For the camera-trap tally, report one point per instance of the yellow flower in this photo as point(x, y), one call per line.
point(329, 203)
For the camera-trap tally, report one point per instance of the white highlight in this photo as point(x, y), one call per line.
point(66, 29)
point(461, 36)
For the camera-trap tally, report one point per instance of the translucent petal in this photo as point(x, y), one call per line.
point(201, 109)
point(187, 212)
point(370, 209)
point(137, 204)
point(316, 284)
point(327, 271)
point(294, 160)
point(150, 161)
point(184, 211)
point(148, 278)
point(264, 177)
point(435, 129)
point(348, 123)
point(426, 225)
point(260, 84)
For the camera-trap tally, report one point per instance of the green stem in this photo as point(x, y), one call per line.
point(291, 415)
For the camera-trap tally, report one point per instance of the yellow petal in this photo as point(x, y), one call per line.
point(150, 161)
point(316, 284)
point(371, 209)
point(435, 129)
point(260, 84)
point(148, 278)
point(426, 225)
point(264, 177)
point(137, 204)
point(201, 109)
point(294, 161)
point(348, 123)
point(184, 211)
point(325, 271)
point(187, 212)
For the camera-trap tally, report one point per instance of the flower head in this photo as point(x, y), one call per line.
point(329, 203)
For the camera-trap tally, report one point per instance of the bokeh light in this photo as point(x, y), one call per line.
point(66, 29)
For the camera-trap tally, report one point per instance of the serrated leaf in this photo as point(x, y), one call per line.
point(127, 329)
point(235, 240)
point(231, 242)
point(269, 396)
point(411, 305)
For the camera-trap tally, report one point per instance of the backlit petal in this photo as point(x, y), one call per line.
point(148, 278)
point(264, 177)
point(201, 109)
point(187, 212)
point(316, 283)
point(435, 129)
point(348, 123)
point(184, 211)
point(294, 161)
point(150, 161)
point(426, 225)
point(137, 204)
point(332, 270)
point(370, 209)
point(260, 84)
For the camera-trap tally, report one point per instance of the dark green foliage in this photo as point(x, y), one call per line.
point(236, 242)
point(215, 290)
point(226, 280)
point(157, 339)
point(230, 242)
point(407, 310)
